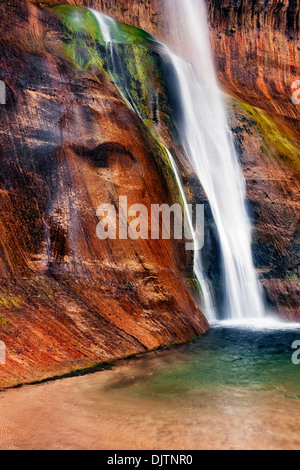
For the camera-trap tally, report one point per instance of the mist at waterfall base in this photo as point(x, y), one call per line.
point(207, 141)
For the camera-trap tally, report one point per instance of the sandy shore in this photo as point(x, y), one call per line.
point(102, 411)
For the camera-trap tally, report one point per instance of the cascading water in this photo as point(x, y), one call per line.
point(108, 26)
point(209, 145)
point(206, 294)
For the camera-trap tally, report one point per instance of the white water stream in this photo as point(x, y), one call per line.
point(209, 146)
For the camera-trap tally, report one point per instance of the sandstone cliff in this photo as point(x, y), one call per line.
point(255, 44)
point(68, 144)
point(257, 50)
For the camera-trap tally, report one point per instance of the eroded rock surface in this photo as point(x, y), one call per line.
point(68, 144)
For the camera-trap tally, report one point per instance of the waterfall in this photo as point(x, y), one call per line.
point(108, 28)
point(209, 146)
point(207, 303)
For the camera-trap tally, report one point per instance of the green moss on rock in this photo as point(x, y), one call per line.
point(78, 20)
point(132, 60)
point(135, 65)
point(285, 149)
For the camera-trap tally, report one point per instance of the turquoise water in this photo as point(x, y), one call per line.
point(227, 356)
point(234, 388)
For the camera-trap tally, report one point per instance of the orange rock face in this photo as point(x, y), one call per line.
point(255, 44)
point(271, 164)
point(257, 50)
point(68, 144)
